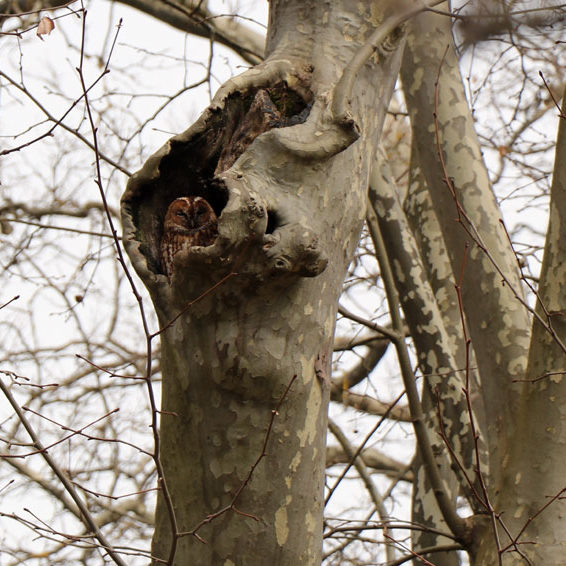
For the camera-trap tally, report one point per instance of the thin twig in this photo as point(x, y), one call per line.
point(86, 517)
point(10, 301)
point(358, 463)
point(362, 446)
point(154, 411)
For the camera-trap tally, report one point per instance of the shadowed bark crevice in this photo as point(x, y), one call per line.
point(251, 115)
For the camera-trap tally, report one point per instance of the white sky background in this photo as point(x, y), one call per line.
point(49, 71)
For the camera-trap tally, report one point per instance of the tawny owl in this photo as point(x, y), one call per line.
point(190, 221)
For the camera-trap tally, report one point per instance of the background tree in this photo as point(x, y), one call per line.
point(285, 154)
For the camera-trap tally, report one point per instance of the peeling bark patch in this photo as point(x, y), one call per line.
point(282, 524)
point(293, 467)
point(308, 433)
point(311, 523)
point(277, 346)
point(307, 368)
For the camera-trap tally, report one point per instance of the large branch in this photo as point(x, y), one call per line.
point(478, 247)
point(190, 16)
point(428, 236)
point(444, 380)
point(533, 476)
point(460, 528)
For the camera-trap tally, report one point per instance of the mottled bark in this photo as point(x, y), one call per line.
point(533, 477)
point(429, 241)
point(425, 512)
point(443, 401)
point(470, 221)
point(290, 212)
point(442, 379)
point(426, 230)
point(523, 415)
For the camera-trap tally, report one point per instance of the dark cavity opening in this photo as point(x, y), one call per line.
point(272, 222)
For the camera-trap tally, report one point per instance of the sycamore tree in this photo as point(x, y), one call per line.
point(364, 363)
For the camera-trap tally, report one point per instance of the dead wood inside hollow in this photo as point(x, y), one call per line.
point(190, 164)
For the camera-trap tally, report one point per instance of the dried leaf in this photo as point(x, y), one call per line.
point(45, 27)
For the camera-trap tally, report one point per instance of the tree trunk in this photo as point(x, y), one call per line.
point(532, 481)
point(469, 217)
point(277, 158)
point(522, 509)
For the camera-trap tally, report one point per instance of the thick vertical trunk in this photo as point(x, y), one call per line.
point(524, 414)
point(288, 181)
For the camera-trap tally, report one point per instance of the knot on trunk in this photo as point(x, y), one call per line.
point(294, 249)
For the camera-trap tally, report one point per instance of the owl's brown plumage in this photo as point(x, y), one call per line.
point(190, 221)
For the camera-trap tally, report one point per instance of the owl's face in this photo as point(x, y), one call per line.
point(189, 222)
point(191, 213)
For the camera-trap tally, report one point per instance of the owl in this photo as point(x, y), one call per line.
point(190, 221)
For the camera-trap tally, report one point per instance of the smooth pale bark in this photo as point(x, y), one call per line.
point(477, 243)
point(290, 213)
point(534, 475)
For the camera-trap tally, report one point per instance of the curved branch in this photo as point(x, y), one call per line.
point(248, 44)
point(189, 16)
point(372, 459)
point(343, 90)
